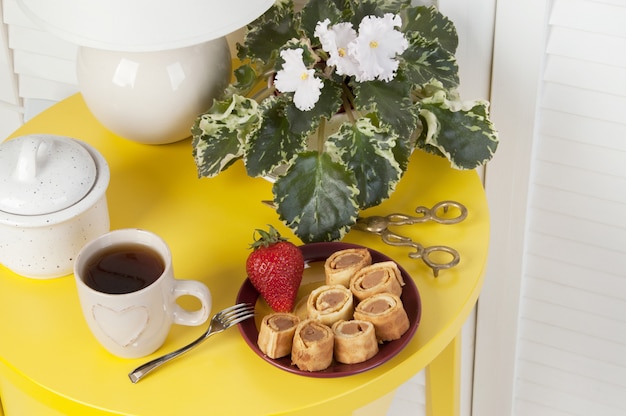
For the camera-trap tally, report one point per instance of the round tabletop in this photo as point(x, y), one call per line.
point(48, 352)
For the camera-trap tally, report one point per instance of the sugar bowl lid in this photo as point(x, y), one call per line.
point(42, 173)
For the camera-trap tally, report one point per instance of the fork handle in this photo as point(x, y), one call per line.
point(141, 371)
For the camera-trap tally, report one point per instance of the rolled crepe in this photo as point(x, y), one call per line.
point(383, 277)
point(276, 334)
point(355, 341)
point(387, 314)
point(313, 345)
point(343, 264)
point(329, 304)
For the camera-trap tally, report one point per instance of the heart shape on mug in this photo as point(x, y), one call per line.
point(125, 326)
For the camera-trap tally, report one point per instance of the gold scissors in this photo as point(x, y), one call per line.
point(380, 225)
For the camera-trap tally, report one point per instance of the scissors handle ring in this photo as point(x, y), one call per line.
point(422, 252)
point(445, 206)
point(425, 255)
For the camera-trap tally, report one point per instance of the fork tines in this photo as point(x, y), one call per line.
point(237, 313)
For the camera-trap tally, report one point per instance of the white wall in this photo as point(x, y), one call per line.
point(518, 46)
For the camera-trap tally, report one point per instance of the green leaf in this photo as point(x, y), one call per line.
point(367, 151)
point(378, 8)
point(462, 132)
point(404, 148)
point(365, 8)
point(246, 78)
point(391, 100)
point(432, 25)
point(317, 11)
point(393, 6)
point(305, 122)
point(218, 135)
point(425, 60)
point(273, 143)
point(309, 57)
point(316, 198)
point(267, 34)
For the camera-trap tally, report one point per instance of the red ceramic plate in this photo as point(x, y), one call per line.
point(315, 254)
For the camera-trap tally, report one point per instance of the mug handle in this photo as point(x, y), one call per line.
point(198, 290)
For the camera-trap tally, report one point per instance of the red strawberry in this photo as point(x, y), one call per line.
point(275, 269)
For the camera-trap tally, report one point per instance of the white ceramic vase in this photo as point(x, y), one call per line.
point(153, 97)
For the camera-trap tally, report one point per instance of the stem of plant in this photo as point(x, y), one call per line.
point(348, 103)
point(263, 94)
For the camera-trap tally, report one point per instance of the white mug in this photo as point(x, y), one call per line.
point(132, 322)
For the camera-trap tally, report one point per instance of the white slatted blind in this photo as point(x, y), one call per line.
point(44, 64)
point(10, 106)
point(572, 335)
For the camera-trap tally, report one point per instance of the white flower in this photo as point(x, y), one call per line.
point(335, 41)
point(297, 78)
point(377, 45)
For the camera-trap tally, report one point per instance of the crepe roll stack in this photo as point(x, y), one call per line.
point(383, 277)
point(330, 303)
point(355, 341)
point(313, 345)
point(387, 313)
point(276, 334)
point(343, 264)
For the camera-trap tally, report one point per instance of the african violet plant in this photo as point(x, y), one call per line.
point(384, 68)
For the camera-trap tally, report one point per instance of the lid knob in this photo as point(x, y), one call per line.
point(41, 174)
point(26, 168)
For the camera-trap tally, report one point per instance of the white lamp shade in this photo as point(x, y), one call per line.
point(142, 25)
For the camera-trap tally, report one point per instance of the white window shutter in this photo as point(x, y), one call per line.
point(45, 65)
point(572, 332)
point(10, 105)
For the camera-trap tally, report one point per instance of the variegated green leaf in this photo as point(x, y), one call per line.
point(432, 25)
point(316, 11)
point(393, 6)
point(367, 151)
point(391, 101)
point(273, 143)
point(246, 78)
point(364, 8)
point(404, 147)
point(329, 103)
point(316, 198)
point(218, 135)
point(462, 132)
point(425, 60)
point(267, 34)
point(309, 57)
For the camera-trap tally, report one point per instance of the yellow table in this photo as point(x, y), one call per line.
point(51, 364)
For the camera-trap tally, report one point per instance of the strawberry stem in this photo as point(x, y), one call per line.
point(266, 238)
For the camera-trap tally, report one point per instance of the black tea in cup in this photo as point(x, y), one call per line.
point(123, 269)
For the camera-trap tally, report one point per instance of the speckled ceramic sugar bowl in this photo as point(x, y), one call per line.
point(52, 202)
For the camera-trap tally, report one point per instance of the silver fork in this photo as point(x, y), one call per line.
point(220, 322)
